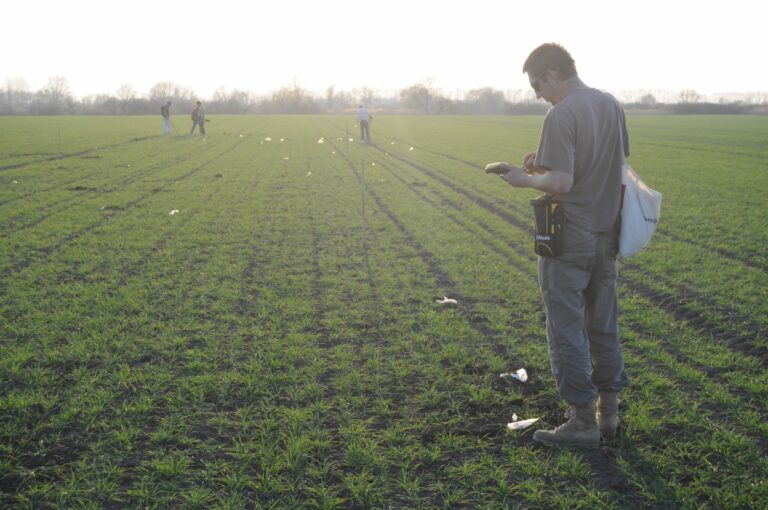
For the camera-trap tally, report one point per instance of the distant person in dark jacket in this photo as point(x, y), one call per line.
point(198, 118)
point(165, 111)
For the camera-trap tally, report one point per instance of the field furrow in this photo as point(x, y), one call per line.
point(252, 320)
point(753, 330)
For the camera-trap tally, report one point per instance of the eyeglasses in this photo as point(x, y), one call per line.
point(535, 84)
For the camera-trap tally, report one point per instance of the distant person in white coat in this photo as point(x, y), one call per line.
point(364, 119)
point(165, 111)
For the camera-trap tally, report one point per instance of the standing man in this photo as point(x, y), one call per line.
point(198, 118)
point(583, 145)
point(364, 119)
point(165, 111)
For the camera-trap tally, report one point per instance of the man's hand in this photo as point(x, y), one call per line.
point(529, 160)
point(518, 177)
point(514, 175)
point(529, 164)
point(505, 170)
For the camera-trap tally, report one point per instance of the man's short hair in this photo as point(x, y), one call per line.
point(550, 57)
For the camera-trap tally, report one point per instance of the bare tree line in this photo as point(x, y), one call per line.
point(56, 98)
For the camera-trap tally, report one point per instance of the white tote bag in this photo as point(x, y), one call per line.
point(640, 211)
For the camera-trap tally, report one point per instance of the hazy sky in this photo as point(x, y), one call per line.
point(261, 45)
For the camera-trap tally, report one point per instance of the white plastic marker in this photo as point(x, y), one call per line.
point(520, 425)
point(521, 375)
point(447, 301)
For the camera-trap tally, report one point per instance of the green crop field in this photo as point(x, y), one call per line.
point(250, 320)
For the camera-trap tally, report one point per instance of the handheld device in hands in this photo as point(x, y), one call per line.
point(500, 168)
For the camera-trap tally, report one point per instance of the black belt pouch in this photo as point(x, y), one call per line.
point(548, 222)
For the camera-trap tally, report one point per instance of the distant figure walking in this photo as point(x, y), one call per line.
point(198, 118)
point(363, 119)
point(165, 111)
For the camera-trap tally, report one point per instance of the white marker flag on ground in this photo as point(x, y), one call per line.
point(522, 424)
point(521, 375)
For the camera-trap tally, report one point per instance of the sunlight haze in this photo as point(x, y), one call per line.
point(262, 46)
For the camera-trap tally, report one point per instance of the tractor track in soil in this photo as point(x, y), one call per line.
point(49, 250)
point(603, 463)
point(677, 303)
point(59, 185)
point(133, 270)
point(741, 342)
point(743, 259)
point(442, 278)
point(713, 374)
point(243, 309)
point(81, 191)
point(607, 471)
point(252, 276)
point(77, 154)
point(605, 468)
point(693, 319)
point(748, 262)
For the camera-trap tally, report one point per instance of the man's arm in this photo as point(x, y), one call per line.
point(553, 181)
point(542, 179)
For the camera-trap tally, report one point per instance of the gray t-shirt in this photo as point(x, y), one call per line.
point(586, 135)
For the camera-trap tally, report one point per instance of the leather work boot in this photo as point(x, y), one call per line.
point(580, 430)
point(608, 414)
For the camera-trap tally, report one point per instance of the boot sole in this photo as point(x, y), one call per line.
point(582, 445)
